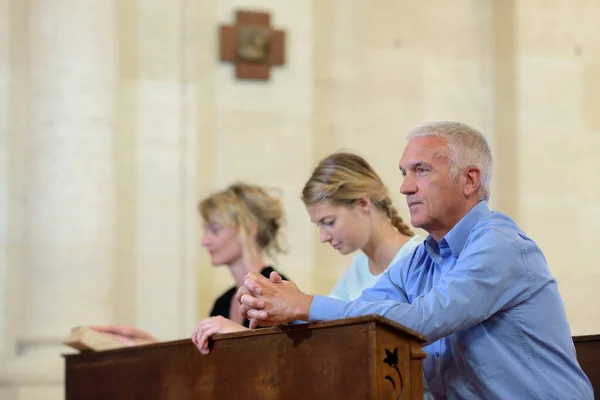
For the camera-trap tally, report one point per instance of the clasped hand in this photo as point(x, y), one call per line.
point(273, 301)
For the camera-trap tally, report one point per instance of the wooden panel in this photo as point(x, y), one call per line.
point(277, 50)
point(252, 71)
point(228, 38)
point(252, 18)
point(394, 374)
point(588, 355)
point(316, 361)
point(243, 45)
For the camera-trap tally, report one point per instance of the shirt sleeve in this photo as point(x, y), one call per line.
point(489, 276)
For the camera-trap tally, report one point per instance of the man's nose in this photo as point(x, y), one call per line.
point(408, 185)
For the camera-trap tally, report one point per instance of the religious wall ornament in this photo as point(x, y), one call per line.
point(252, 45)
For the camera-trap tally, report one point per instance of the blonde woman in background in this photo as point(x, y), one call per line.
point(241, 226)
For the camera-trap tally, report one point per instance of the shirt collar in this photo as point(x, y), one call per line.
point(458, 235)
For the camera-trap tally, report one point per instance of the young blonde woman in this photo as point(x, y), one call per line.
point(351, 206)
point(241, 226)
point(349, 203)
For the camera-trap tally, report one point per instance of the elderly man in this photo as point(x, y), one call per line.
point(478, 288)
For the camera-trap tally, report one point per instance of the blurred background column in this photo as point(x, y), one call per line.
point(61, 183)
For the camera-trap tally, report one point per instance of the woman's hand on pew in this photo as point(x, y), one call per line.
point(127, 335)
point(211, 326)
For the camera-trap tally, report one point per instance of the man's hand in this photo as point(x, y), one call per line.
point(211, 326)
point(126, 335)
point(254, 289)
point(271, 302)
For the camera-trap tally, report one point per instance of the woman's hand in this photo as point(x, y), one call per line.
point(126, 335)
point(211, 326)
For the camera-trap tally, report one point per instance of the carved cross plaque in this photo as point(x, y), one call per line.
point(252, 45)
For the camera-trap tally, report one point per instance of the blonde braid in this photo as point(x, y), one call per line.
point(386, 206)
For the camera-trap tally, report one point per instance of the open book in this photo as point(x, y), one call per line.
point(83, 338)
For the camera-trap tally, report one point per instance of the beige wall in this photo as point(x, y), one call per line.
point(378, 73)
point(116, 117)
point(557, 60)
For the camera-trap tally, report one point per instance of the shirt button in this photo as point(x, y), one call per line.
point(437, 354)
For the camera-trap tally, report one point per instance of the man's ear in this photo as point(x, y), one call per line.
point(472, 180)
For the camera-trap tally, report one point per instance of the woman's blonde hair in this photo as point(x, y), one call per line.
point(343, 178)
point(248, 207)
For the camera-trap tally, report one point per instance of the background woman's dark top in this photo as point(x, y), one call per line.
point(223, 302)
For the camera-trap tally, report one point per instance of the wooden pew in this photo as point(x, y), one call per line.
point(350, 358)
point(357, 358)
point(588, 355)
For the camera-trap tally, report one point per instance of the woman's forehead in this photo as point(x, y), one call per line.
point(321, 210)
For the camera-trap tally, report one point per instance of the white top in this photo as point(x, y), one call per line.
point(358, 276)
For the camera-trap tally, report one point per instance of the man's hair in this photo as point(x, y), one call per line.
point(466, 147)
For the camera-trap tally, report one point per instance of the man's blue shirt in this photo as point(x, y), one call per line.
point(494, 320)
